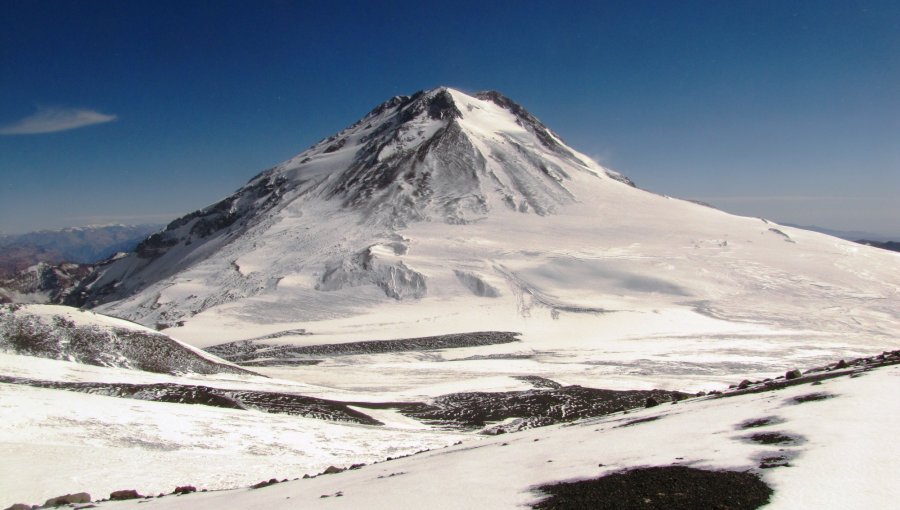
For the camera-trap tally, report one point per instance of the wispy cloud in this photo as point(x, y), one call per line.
point(53, 119)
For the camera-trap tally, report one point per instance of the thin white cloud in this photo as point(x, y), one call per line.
point(53, 119)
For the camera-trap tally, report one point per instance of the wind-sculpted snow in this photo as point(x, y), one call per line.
point(395, 279)
point(476, 284)
point(65, 335)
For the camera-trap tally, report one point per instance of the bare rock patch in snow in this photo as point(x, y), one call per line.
point(778, 438)
point(269, 402)
point(811, 397)
point(760, 422)
point(660, 488)
point(244, 351)
point(531, 407)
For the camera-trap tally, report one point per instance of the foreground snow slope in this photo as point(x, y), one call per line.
point(838, 450)
point(56, 442)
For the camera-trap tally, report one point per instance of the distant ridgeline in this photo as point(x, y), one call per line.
point(43, 267)
point(82, 245)
point(886, 245)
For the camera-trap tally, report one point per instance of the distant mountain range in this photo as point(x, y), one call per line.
point(43, 283)
point(44, 266)
point(80, 245)
point(858, 236)
point(850, 235)
point(888, 245)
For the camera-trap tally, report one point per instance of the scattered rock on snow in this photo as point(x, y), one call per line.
point(812, 397)
point(264, 483)
point(774, 461)
point(124, 494)
point(775, 438)
point(639, 420)
point(760, 422)
point(80, 497)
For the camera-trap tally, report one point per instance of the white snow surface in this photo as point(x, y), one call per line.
point(843, 456)
point(56, 442)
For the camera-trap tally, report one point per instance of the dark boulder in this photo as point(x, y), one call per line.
point(264, 483)
point(80, 497)
point(793, 374)
point(124, 494)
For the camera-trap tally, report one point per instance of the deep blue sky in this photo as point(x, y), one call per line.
point(788, 110)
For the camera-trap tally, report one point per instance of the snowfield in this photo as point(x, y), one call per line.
point(817, 446)
point(56, 442)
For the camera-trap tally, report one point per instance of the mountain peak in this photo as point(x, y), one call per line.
point(441, 154)
point(437, 102)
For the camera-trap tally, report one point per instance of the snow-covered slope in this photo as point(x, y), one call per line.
point(818, 444)
point(56, 442)
point(444, 213)
point(64, 333)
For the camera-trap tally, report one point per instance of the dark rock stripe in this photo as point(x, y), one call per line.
point(246, 350)
point(270, 402)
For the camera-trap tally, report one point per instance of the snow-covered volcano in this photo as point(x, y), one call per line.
point(444, 212)
point(437, 156)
